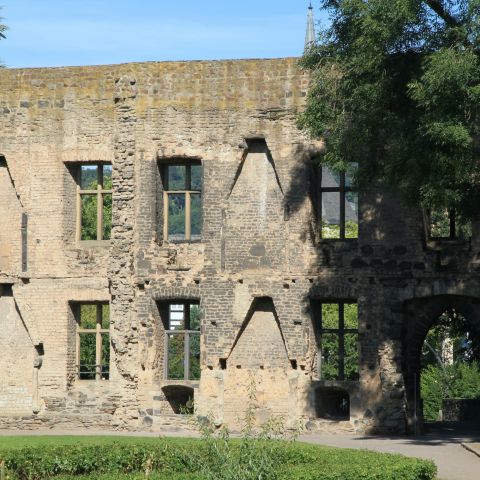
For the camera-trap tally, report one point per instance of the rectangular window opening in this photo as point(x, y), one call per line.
point(181, 319)
point(337, 327)
point(93, 340)
point(339, 204)
point(94, 201)
point(446, 224)
point(182, 201)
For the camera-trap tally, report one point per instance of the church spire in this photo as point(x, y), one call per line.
point(310, 35)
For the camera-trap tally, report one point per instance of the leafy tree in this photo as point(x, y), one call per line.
point(459, 380)
point(396, 87)
point(3, 29)
point(456, 374)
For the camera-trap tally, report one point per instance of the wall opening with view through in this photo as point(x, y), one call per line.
point(182, 200)
point(181, 320)
point(338, 203)
point(94, 201)
point(446, 224)
point(92, 340)
point(450, 370)
point(336, 329)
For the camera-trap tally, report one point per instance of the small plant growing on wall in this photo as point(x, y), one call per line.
point(253, 454)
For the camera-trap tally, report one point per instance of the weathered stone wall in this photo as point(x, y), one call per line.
point(255, 271)
point(16, 384)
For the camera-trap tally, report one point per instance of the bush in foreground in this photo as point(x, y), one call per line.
point(192, 460)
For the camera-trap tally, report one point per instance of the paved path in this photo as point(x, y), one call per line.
point(453, 461)
point(443, 447)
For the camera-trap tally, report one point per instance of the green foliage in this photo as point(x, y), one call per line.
point(164, 459)
point(460, 380)
point(331, 342)
point(3, 29)
point(48, 462)
point(89, 207)
point(396, 87)
point(330, 230)
point(176, 347)
point(255, 456)
point(88, 345)
point(268, 452)
point(454, 329)
point(450, 363)
point(181, 178)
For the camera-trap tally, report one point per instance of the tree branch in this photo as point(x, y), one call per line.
point(439, 9)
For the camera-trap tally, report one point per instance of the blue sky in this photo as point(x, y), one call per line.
point(88, 32)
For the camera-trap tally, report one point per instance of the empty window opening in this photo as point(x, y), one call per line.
point(446, 224)
point(337, 340)
point(93, 340)
point(180, 398)
point(94, 201)
point(339, 204)
point(332, 403)
point(182, 339)
point(6, 290)
point(182, 201)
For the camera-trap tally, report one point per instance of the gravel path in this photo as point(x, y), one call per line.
point(454, 462)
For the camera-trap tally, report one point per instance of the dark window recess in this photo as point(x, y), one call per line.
point(94, 201)
point(332, 403)
point(93, 340)
point(445, 224)
point(6, 290)
point(182, 201)
point(336, 325)
point(338, 204)
point(180, 398)
point(182, 339)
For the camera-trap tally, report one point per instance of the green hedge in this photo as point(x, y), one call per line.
point(176, 460)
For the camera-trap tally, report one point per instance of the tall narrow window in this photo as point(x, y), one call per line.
point(337, 325)
point(182, 201)
point(182, 340)
point(339, 202)
point(94, 201)
point(93, 340)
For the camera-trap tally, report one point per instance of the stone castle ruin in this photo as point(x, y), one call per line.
point(167, 239)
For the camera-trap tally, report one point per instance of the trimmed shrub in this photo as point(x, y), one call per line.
point(195, 460)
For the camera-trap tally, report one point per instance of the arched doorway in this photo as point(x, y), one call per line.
point(454, 321)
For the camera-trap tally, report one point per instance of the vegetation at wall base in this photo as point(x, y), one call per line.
point(180, 460)
point(459, 380)
point(450, 362)
point(396, 88)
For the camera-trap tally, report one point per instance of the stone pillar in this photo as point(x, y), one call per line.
point(121, 267)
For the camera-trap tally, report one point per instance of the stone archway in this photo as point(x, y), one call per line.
point(421, 315)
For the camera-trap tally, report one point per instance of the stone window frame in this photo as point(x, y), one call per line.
point(100, 192)
point(163, 306)
point(99, 332)
point(342, 190)
point(341, 331)
point(162, 219)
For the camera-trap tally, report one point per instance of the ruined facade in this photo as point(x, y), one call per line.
point(201, 301)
